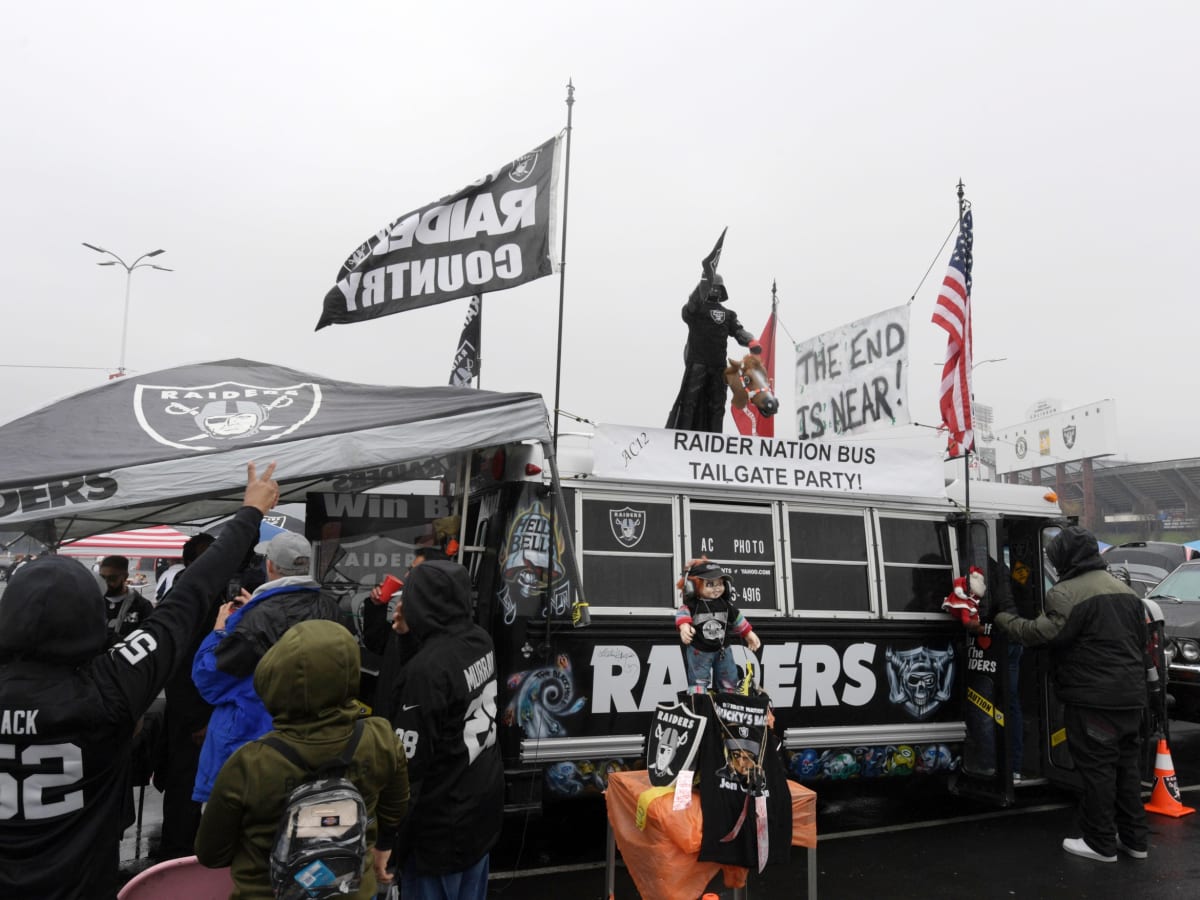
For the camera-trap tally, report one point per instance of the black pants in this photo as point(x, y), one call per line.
point(1105, 745)
point(181, 814)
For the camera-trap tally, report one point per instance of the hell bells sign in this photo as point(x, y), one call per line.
point(495, 233)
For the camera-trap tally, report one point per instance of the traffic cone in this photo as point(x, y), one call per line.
point(1164, 799)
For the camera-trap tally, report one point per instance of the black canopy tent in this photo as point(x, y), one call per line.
point(171, 446)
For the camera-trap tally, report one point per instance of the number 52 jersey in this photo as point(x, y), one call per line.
point(69, 709)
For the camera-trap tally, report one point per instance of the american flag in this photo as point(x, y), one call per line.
point(953, 313)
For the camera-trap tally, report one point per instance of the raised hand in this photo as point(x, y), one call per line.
point(262, 492)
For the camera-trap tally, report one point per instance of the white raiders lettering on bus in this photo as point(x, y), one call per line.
point(920, 679)
point(57, 494)
point(617, 673)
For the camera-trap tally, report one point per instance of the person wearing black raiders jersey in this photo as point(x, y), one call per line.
point(68, 708)
point(705, 620)
point(444, 710)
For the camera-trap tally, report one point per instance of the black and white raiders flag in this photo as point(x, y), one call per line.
point(465, 368)
point(675, 733)
point(496, 233)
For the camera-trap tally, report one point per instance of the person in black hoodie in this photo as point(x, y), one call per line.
point(444, 710)
point(185, 722)
point(390, 639)
point(68, 708)
point(1095, 628)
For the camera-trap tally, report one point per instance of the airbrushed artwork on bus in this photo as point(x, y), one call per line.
point(541, 698)
point(878, 761)
point(574, 778)
point(534, 580)
point(811, 683)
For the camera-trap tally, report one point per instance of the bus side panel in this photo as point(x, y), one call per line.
point(605, 681)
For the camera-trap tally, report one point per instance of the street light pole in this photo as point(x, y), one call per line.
point(128, 267)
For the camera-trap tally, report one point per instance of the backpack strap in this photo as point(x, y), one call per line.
point(339, 763)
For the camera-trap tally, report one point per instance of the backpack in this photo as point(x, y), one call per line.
point(321, 842)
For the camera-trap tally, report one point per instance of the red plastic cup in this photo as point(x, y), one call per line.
point(390, 585)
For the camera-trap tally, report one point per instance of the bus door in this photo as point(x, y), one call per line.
point(1050, 751)
point(987, 746)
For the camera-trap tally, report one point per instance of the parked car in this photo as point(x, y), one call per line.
point(1147, 562)
point(1178, 595)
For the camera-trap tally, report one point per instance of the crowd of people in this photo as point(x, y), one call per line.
point(262, 684)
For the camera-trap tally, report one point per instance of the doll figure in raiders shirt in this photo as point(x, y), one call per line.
point(707, 621)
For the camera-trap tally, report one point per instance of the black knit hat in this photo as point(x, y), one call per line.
point(706, 571)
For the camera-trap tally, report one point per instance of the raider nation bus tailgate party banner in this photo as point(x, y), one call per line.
point(495, 233)
point(893, 465)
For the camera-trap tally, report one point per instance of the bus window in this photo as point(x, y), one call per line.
point(829, 567)
point(742, 540)
point(917, 573)
point(628, 559)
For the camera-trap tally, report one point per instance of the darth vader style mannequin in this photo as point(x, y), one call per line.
point(700, 405)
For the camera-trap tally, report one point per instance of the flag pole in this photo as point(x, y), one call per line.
point(562, 260)
point(970, 400)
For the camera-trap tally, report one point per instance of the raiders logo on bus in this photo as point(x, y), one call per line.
point(674, 740)
point(628, 525)
point(214, 416)
point(920, 679)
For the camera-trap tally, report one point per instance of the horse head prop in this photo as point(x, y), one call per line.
point(748, 380)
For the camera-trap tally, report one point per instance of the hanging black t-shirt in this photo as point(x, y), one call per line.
point(737, 747)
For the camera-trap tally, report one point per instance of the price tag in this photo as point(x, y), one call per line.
point(683, 790)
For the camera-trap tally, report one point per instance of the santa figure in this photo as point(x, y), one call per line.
point(963, 601)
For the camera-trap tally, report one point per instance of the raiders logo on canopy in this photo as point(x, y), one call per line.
point(675, 733)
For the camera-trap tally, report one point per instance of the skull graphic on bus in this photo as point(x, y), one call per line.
point(920, 679)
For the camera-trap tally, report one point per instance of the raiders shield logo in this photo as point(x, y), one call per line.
point(628, 525)
point(1022, 448)
point(217, 416)
point(675, 733)
point(718, 316)
point(524, 166)
point(920, 679)
point(1069, 436)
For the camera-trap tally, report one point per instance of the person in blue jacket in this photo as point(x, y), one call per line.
point(245, 629)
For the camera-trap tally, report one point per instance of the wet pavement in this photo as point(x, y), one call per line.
point(916, 843)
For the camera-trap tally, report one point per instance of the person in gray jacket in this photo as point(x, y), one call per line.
point(1095, 628)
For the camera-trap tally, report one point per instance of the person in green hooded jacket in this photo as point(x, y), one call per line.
point(308, 682)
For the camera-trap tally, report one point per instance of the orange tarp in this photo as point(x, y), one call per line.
point(662, 858)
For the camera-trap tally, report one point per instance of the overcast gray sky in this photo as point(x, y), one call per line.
point(259, 143)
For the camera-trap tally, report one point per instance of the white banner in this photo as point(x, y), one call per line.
point(897, 465)
point(854, 378)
